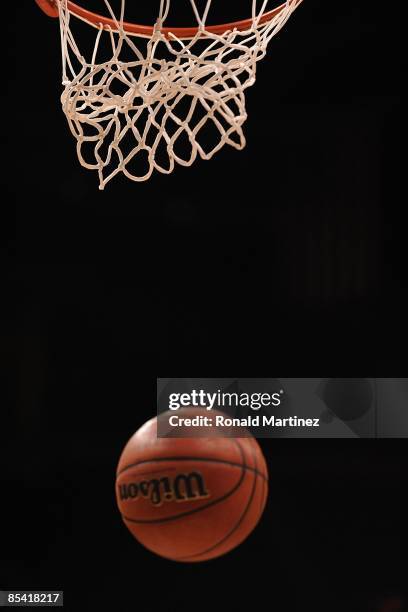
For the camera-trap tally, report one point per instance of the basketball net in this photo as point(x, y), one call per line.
point(142, 104)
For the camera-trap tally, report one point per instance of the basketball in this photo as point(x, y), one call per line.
point(190, 499)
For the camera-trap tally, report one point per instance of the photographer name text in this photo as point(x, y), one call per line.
point(249, 421)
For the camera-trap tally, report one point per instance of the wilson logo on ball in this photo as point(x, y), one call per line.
point(182, 488)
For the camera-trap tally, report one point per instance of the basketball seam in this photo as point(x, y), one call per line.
point(204, 507)
point(237, 524)
point(198, 459)
point(263, 496)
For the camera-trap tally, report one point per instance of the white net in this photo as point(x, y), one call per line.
point(138, 105)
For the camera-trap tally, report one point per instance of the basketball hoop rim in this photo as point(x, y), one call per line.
point(51, 9)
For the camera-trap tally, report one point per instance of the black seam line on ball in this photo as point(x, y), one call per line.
point(201, 508)
point(198, 459)
point(263, 497)
point(234, 528)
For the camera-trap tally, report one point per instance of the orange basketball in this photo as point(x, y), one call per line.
point(190, 499)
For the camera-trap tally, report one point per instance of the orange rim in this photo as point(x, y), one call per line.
point(50, 8)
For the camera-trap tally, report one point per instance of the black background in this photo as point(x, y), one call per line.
point(285, 259)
